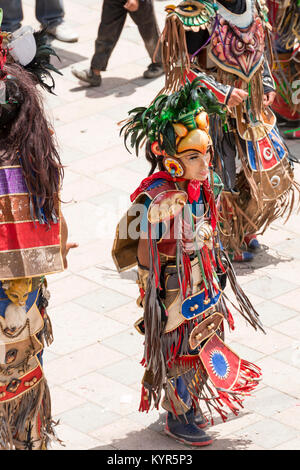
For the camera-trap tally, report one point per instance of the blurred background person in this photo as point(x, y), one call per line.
point(49, 13)
point(114, 13)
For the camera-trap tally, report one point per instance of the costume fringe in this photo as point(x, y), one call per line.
point(246, 308)
point(46, 334)
point(254, 88)
point(18, 414)
point(286, 23)
point(204, 391)
point(175, 55)
point(241, 217)
point(248, 379)
point(257, 203)
point(6, 441)
point(154, 324)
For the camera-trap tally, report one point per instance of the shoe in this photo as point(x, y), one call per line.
point(252, 242)
point(154, 70)
point(186, 432)
point(242, 256)
point(200, 421)
point(63, 33)
point(87, 76)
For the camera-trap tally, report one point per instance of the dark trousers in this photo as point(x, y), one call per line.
point(111, 25)
point(48, 12)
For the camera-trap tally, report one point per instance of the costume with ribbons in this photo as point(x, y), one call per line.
point(284, 15)
point(182, 287)
point(223, 44)
point(30, 246)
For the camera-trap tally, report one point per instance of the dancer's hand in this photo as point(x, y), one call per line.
point(269, 98)
point(65, 252)
point(65, 246)
point(237, 97)
point(132, 5)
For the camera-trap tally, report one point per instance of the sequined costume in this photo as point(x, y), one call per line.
point(182, 283)
point(223, 44)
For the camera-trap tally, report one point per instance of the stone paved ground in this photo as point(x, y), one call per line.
point(93, 366)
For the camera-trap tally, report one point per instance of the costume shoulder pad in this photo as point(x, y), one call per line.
point(166, 205)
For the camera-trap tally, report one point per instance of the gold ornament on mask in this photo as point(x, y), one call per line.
point(192, 132)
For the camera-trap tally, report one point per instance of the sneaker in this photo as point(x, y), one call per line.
point(154, 70)
point(63, 32)
point(186, 432)
point(87, 76)
point(252, 242)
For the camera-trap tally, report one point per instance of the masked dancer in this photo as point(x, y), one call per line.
point(33, 240)
point(171, 233)
point(223, 43)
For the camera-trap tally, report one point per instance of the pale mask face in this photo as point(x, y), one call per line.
point(18, 290)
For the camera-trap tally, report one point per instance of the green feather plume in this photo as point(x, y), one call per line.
point(155, 122)
point(40, 66)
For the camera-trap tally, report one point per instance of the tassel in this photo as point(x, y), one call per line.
point(144, 403)
point(17, 415)
point(248, 379)
point(230, 402)
point(246, 308)
point(230, 319)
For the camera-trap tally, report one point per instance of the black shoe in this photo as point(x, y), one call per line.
point(87, 76)
point(154, 70)
point(186, 432)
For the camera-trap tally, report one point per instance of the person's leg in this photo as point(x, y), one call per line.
point(112, 22)
point(51, 13)
point(12, 14)
point(146, 22)
point(182, 424)
point(110, 28)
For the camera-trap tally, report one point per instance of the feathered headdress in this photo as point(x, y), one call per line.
point(31, 50)
point(155, 123)
point(40, 65)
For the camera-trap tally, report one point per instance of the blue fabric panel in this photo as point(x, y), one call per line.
point(198, 300)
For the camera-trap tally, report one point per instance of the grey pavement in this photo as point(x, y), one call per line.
point(93, 365)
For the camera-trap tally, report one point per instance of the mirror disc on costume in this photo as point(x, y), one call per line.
point(219, 364)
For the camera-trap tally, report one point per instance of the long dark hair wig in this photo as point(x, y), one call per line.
point(154, 160)
point(25, 136)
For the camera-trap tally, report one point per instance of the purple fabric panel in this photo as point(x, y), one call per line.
point(12, 181)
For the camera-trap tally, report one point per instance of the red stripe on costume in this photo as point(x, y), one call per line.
point(221, 97)
point(27, 235)
point(27, 382)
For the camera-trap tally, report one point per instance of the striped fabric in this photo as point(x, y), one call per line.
point(27, 248)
